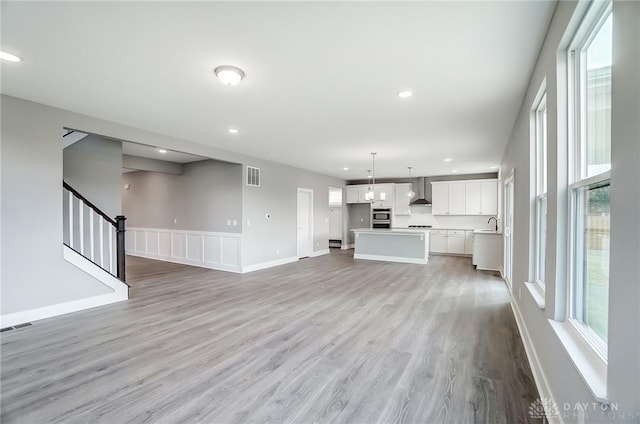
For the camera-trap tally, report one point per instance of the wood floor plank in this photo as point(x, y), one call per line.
point(326, 340)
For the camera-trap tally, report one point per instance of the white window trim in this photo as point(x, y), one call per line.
point(537, 131)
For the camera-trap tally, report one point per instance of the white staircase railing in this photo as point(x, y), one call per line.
point(92, 233)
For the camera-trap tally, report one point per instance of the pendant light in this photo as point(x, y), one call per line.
point(369, 194)
point(410, 193)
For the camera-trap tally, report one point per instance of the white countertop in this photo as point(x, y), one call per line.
point(392, 230)
point(488, 232)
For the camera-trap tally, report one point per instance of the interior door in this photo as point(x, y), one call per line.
point(305, 222)
point(508, 228)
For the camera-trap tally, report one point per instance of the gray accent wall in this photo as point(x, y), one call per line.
point(203, 198)
point(34, 273)
point(92, 166)
point(623, 380)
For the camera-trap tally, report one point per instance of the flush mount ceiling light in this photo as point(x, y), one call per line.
point(494, 167)
point(229, 75)
point(233, 131)
point(454, 171)
point(404, 94)
point(447, 159)
point(163, 151)
point(346, 168)
point(10, 57)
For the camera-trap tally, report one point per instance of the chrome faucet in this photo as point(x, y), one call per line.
point(494, 218)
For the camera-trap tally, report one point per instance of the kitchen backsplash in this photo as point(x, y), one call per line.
point(421, 215)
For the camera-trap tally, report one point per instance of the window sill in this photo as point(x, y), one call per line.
point(592, 368)
point(537, 292)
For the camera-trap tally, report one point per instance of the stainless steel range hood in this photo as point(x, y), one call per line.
point(421, 190)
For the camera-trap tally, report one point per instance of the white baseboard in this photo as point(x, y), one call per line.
point(264, 265)
point(536, 368)
point(390, 259)
point(319, 253)
point(347, 246)
point(219, 267)
point(59, 309)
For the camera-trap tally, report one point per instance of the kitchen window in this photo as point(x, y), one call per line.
point(590, 61)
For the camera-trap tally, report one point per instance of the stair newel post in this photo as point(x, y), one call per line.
point(120, 246)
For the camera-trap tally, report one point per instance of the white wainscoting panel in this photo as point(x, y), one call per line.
point(164, 243)
point(152, 242)
point(178, 245)
point(209, 250)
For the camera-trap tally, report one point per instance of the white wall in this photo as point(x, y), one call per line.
point(564, 381)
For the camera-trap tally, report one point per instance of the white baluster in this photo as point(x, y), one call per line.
point(70, 218)
point(111, 267)
point(101, 241)
point(81, 225)
point(92, 244)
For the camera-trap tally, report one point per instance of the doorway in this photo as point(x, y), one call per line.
point(509, 189)
point(305, 222)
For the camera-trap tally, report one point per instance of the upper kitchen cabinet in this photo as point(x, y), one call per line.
point(481, 197)
point(472, 197)
point(356, 194)
point(448, 198)
point(383, 196)
point(401, 199)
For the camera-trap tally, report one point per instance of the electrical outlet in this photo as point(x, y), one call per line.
point(277, 251)
point(175, 220)
point(317, 244)
point(361, 219)
point(235, 222)
point(248, 223)
point(520, 293)
point(228, 222)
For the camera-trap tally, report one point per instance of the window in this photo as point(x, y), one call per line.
point(590, 152)
point(540, 125)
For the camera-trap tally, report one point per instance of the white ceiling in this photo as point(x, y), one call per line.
point(321, 77)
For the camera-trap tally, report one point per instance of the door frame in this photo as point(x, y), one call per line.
point(310, 213)
point(509, 204)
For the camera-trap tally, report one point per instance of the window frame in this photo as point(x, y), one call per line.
point(578, 180)
point(541, 150)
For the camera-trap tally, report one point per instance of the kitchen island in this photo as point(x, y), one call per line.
point(406, 245)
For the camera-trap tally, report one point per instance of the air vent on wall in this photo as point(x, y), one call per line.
point(253, 176)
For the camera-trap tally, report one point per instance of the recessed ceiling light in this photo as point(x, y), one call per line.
point(229, 75)
point(10, 57)
point(404, 94)
point(494, 167)
point(447, 159)
point(233, 131)
point(346, 168)
point(454, 171)
point(163, 151)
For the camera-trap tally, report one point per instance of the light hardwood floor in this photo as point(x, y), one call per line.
point(326, 340)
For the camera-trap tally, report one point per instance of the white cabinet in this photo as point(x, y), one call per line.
point(448, 198)
point(455, 242)
point(481, 197)
point(356, 193)
point(472, 197)
point(401, 199)
point(439, 198)
point(487, 251)
point(352, 195)
point(468, 242)
point(383, 195)
point(448, 241)
point(438, 241)
point(490, 197)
